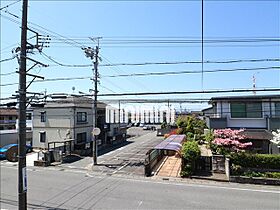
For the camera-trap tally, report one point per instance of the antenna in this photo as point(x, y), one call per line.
point(254, 83)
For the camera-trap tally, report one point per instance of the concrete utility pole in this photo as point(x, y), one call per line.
point(93, 55)
point(22, 185)
point(95, 102)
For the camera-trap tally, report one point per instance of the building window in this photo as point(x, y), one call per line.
point(43, 116)
point(81, 117)
point(277, 109)
point(115, 131)
point(42, 136)
point(28, 116)
point(246, 110)
point(81, 137)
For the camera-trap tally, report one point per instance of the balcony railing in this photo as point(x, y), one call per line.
point(8, 122)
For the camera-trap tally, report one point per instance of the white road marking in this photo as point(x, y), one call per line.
point(120, 168)
point(160, 182)
point(208, 186)
point(140, 203)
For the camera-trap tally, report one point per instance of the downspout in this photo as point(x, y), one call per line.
point(74, 130)
point(221, 109)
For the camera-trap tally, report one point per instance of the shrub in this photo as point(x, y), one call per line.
point(275, 175)
point(190, 124)
point(262, 161)
point(191, 151)
point(250, 173)
point(163, 125)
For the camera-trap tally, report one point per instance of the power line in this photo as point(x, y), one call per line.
point(7, 59)
point(148, 74)
point(183, 41)
point(193, 92)
point(192, 62)
point(179, 46)
point(10, 4)
point(43, 30)
point(10, 73)
point(160, 63)
point(65, 65)
point(190, 72)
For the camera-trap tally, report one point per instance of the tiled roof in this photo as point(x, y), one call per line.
point(257, 134)
point(12, 112)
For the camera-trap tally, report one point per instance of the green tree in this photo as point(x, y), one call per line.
point(190, 153)
point(191, 124)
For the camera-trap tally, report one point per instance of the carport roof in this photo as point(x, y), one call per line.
point(173, 142)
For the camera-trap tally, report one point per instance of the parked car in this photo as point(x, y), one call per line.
point(6, 148)
point(129, 125)
point(141, 125)
point(149, 127)
point(146, 127)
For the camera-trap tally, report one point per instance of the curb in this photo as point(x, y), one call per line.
point(210, 179)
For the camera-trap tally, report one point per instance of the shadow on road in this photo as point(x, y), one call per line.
point(113, 147)
point(29, 205)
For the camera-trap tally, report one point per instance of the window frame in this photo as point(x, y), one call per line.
point(247, 110)
point(28, 116)
point(277, 108)
point(82, 117)
point(83, 138)
point(43, 116)
point(41, 134)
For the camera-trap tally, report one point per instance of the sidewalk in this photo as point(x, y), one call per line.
point(171, 167)
point(213, 177)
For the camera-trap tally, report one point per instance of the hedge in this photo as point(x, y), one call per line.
point(262, 161)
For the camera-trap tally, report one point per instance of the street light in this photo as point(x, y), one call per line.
point(95, 132)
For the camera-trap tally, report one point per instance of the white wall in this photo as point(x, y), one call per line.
point(223, 109)
point(58, 121)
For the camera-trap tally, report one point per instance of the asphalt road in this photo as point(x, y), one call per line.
point(127, 159)
point(70, 189)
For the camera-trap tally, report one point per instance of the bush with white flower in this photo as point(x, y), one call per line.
point(276, 137)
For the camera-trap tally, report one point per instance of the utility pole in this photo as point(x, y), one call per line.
point(22, 185)
point(95, 102)
point(93, 55)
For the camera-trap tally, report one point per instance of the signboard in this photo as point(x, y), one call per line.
point(24, 179)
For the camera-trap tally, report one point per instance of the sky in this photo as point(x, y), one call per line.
point(156, 21)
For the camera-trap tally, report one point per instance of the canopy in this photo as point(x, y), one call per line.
point(173, 142)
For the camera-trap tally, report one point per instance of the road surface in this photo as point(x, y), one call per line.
point(74, 189)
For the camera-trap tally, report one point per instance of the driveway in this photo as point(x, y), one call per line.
point(126, 160)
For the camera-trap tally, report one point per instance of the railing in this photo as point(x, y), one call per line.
point(8, 121)
point(153, 157)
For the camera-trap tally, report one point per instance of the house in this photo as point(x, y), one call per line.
point(9, 126)
point(253, 112)
point(8, 117)
point(258, 114)
point(68, 118)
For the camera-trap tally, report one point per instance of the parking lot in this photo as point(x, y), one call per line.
point(127, 160)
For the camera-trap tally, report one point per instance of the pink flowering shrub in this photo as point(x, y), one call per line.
point(227, 140)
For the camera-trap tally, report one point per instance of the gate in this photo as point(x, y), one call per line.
point(204, 164)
